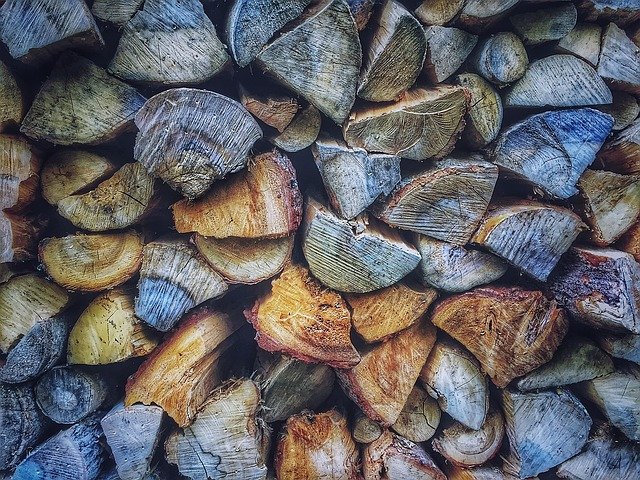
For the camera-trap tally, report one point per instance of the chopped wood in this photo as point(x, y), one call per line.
point(485, 472)
point(20, 164)
point(583, 41)
point(484, 118)
point(478, 14)
point(366, 430)
point(277, 111)
point(19, 236)
point(500, 58)
point(419, 417)
point(624, 110)
point(361, 11)
point(626, 346)
point(301, 132)
point(448, 48)
point(630, 241)
point(545, 24)
point(620, 60)
point(118, 12)
point(438, 12)
point(622, 12)
point(12, 107)
point(622, 154)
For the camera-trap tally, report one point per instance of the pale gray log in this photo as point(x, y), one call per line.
point(500, 58)
point(545, 24)
point(484, 118)
point(626, 347)
point(620, 60)
point(583, 42)
point(447, 49)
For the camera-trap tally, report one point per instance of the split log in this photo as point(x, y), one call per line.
point(317, 446)
point(401, 128)
point(393, 54)
point(484, 118)
point(268, 186)
point(620, 60)
point(36, 31)
point(64, 111)
point(419, 417)
point(301, 132)
point(623, 153)
point(624, 110)
point(295, 59)
point(381, 383)
point(356, 256)
point(623, 12)
point(583, 42)
point(500, 58)
point(180, 374)
point(20, 166)
point(277, 111)
point(478, 14)
point(364, 429)
point(24, 300)
point(509, 330)
point(19, 236)
point(132, 434)
point(545, 24)
point(174, 278)
point(361, 11)
point(600, 287)
point(376, 316)
point(452, 376)
point(466, 447)
point(189, 138)
point(446, 201)
point(438, 12)
point(485, 472)
point(630, 242)
point(448, 48)
point(301, 318)
point(92, 262)
point(453, 268)
point(118, 12)
point(626, 347)
point(551, 150)
point(12, 107)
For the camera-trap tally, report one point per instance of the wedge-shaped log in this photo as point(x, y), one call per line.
point(393, 55)
point(583, 42)
point(419, 417)
point(448, 48)
point(12, 107)
point(623, 12)
point(421, 124)
point(445, 201)
point(478, 14)
point(301, 318)
point(381, 383)
point(19, 235)
point(268, 186)
point(118, 12)
point(64, 111)
point(19, 172)
point(511, 331)
point(500, 58)
point(484, 118)
point(365, 430)
point(630, 242)
point(301, 132)
point(174, 278)
point(189, 138)
point(626, 347)
point(620, 60)
point(277, 111)
point(622, 154)
point(356, 256)
point(624, 110)
point(438, 12)
point(545, 24)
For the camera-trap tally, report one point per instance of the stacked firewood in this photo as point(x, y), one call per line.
point(319, 239)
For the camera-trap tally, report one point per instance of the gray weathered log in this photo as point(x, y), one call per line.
point(622, 154)
point(545, 24)
point(583, 42)
point(12, 107)
point(623, 12)
point(620, 60)
point(626, 346)
point(419, 417)
point(447, 49)
point(484, 118)
point(301, 132)
point(118, 12)
point(500, 58)
point(438, 12)
point(624, 110)
point(478, 14)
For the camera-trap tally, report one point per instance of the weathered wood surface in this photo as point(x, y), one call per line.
point(118, 12)
point(484, 118)
point(19, 236)
point(361, 10)
point(364, 430)
point(624, 110)
point(419, 418)
point(438, 12)
point(545, 24)
point(619, 61)
point(626, 346)
point(630, 242)
point(622, 154)
point(277, 111)
point(583, 41)
point(622, 12)
point(301, 132)
point(20, 164)
point(447, 49)
point(12, 107)
point(477, 14)
point(500, 58)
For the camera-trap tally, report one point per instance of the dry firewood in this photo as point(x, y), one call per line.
point(576, 360)
point(268, 187)
point(92, 262)
point(610, 202)
point(453, 268)
point(108, 332)
point(466, 447)
point(544, 430)
point(623, 12)
point(620, 60)
point(356, 256)
point(583, 42)
point(19, 173)
point(511, 331)
point(624, 110)
point(452, 376)
point(630, 242)
point(448, 48)
point(301, 132)
point(364, 429)
point(484, 118)
point(419, 417)
point(438, 12)
point(551, 150)
point(361, 11)
point(621, 346)
point(381, 383)
point(301, 318)
point(132, 434)
point(19, 235)
point(445, 201)
point(36, 31)
point(118, 12)
point(180, 374)
point(600, 287)
point(394, 54)
point(12, 106)
point(64, 110)
point(545, 24)
point(277, 111)
point(407, 127)
point(500, 58)
point(189, 138)
point(24, 300)
point(317, 446)
point(485, 472)
point(174, 278)
point(169, 42)
point(378, 315)
point(290, 386)
point(622, 155)
point(478, 14)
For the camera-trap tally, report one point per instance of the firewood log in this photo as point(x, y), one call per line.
point(478, 14)
point(583, 42)
point(419, 417)
point(169, 42)
point(364, 429)
point(20, 166)
point(623, 12)
point(485, 472)
point(545, 24)
point(19, 235)
point(132, 434)
point(36, 31)
point(500, 58)
point(378, 315)
point(626, 347)
point(301, 318)
point(544, 430)
point(400, 128)
point(445, 201)
point(551, 150)
point(448, 48)
point(622, 153)
point(630, 242)
point(174, 278)
point(12, 107)
point(277, 111)
point(438, 12)
point(600, 287)
point(620, 60)
point(181, 373)
point(624, 110)
point(393, 54)
point(118, 12)
point(301, 132)
point(23, 424)
point(92, 262)
point(356, 256)
point(453, 268)
point(317, 446)
point(269, 186)
point(484, 118)
point(466, 447)
point(381, 383)
point(361, 11)
point(295, 59)
point(289, 386)
point(452, 376)
point(64, 111)
point(509, 330)
point(189, 138)
point(24, 300)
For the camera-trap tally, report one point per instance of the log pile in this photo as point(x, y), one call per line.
point(319, 239)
